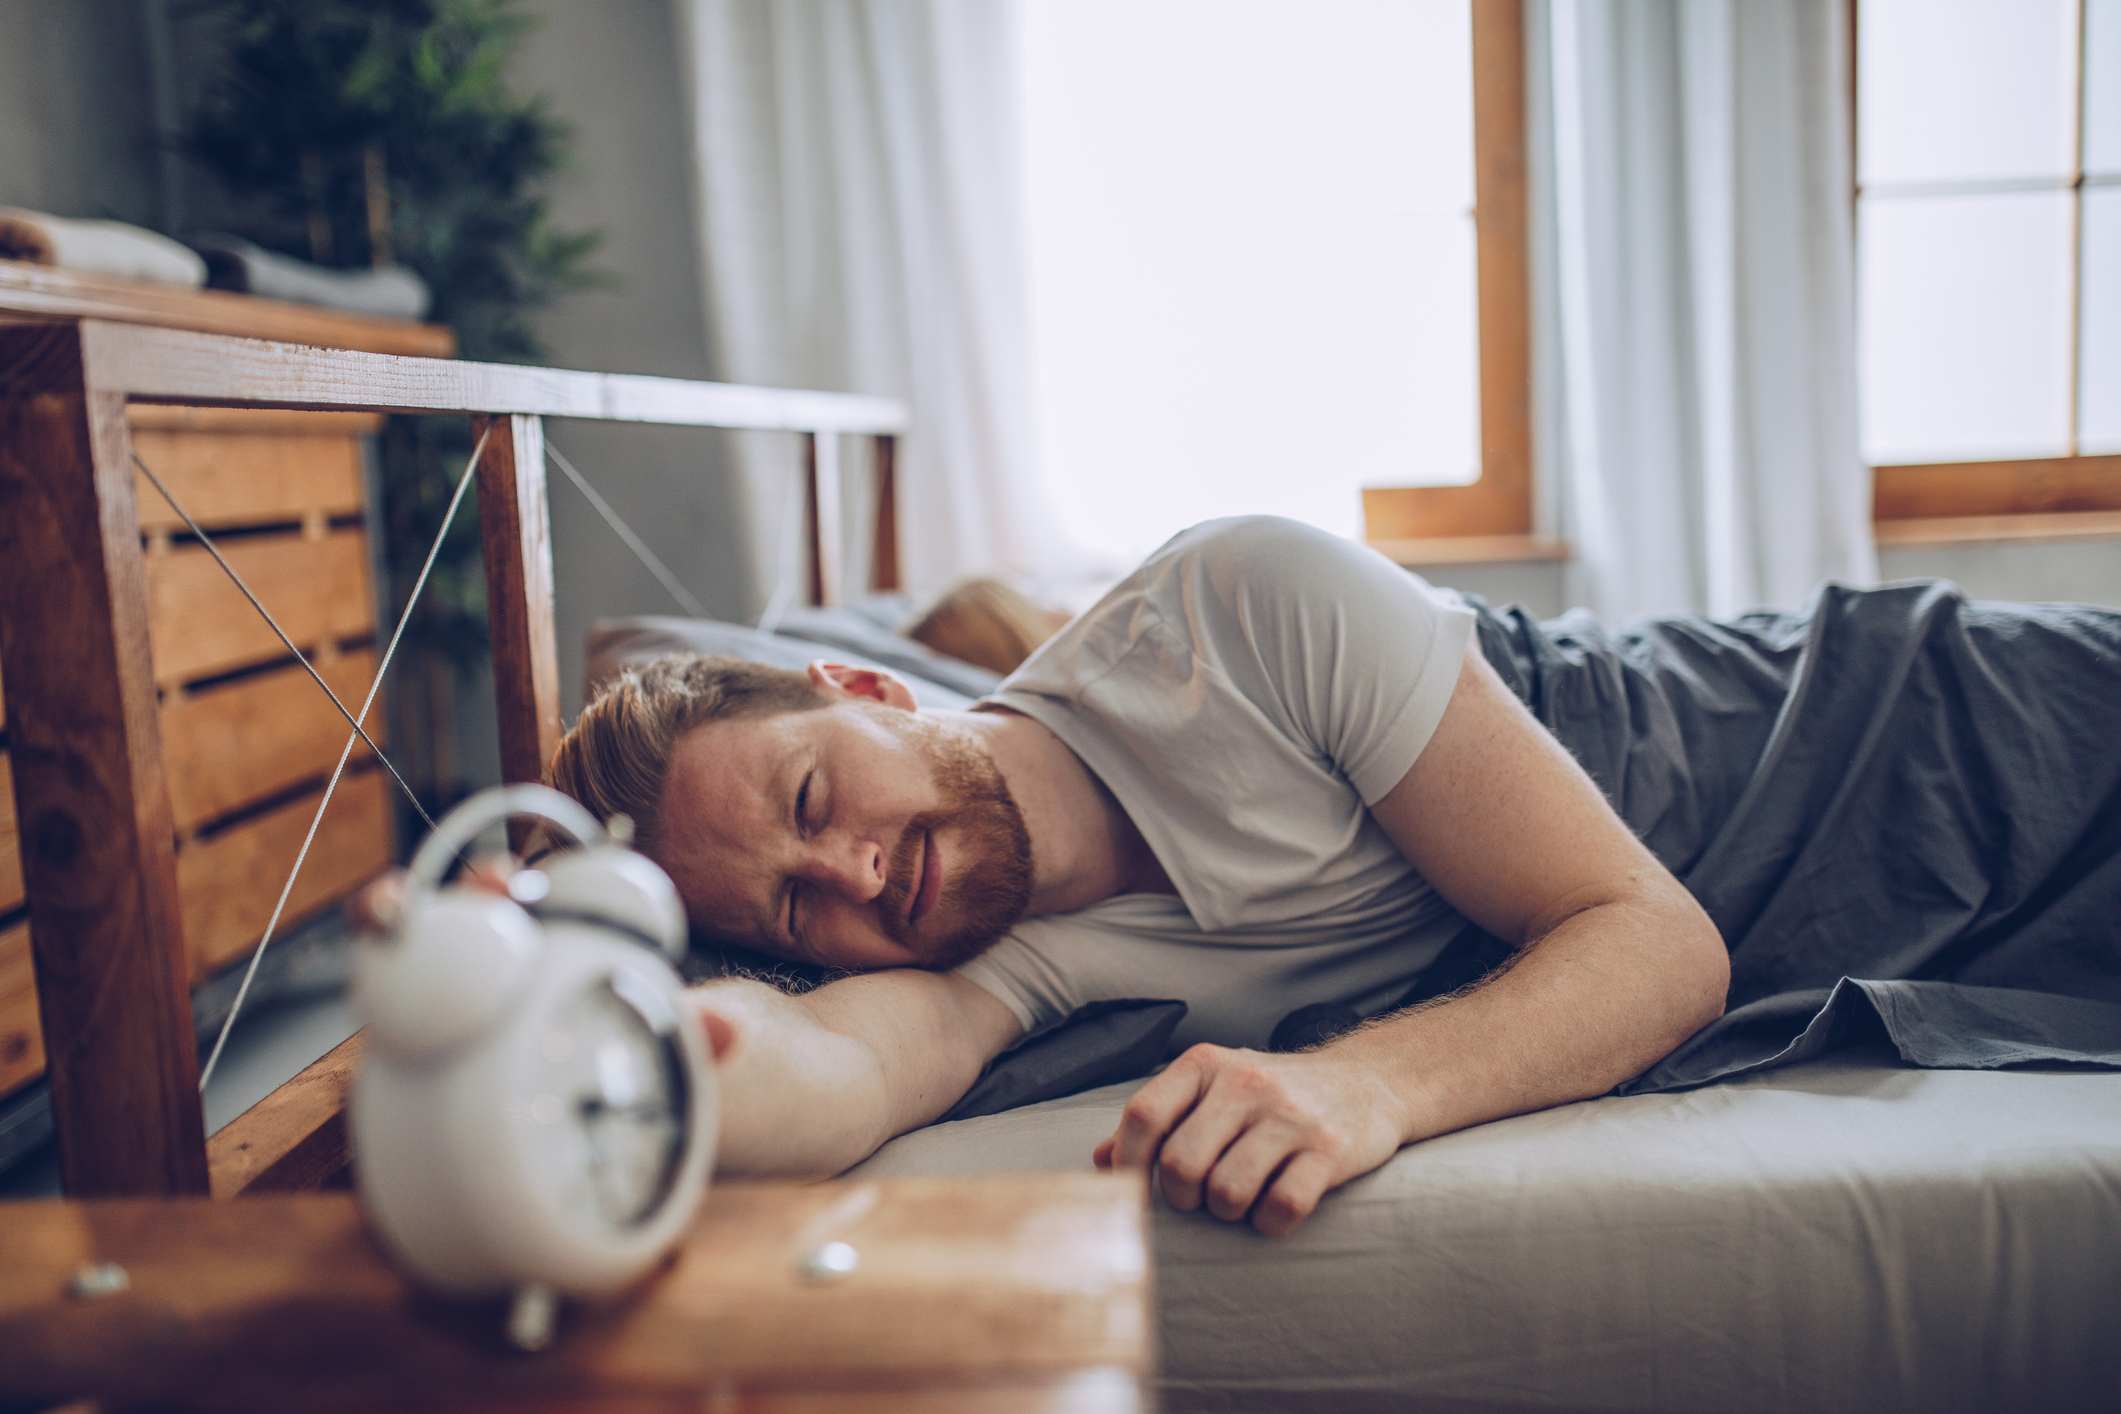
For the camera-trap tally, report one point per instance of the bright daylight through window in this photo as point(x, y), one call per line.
point(1251, 257)
point(1990, 215)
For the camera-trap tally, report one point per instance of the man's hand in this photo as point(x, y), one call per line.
point(377, 907)
point(1256, 1134)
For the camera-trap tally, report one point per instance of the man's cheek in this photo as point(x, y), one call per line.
point(851, 940)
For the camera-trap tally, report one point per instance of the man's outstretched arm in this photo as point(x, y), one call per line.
point(814, 1083)
point(1617, 964)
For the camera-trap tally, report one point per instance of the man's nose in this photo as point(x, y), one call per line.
point(854, 865)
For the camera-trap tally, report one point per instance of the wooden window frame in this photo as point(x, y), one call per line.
point(1491, 518)
point(1915, 502)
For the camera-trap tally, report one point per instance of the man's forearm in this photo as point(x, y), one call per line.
point(797, 1099)
point(1599, 999)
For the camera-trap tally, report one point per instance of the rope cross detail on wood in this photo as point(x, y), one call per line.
point(359, 733)
point(626, 534)
point(102, 920)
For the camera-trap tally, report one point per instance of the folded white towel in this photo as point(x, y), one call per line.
point(391, 292)
point(98, 248)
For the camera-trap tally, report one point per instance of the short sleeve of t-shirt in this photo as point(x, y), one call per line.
point(1361, 654)
point(1246, 694)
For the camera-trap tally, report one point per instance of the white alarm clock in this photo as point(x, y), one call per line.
point(535, 1110)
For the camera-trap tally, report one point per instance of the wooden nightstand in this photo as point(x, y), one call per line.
point(1022, 1292)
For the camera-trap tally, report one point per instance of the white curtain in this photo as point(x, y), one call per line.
point(1693, 309)
point(861, 216)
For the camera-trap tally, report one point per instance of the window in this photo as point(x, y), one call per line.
point(1988, 202)
point(1491, 517)
point(1250, 290)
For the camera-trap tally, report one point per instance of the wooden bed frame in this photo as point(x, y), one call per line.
point(90, 791)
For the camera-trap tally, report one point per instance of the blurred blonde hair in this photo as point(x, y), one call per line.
point(987, 623)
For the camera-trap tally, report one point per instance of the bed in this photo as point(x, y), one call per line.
point(1845, 1234)
point(1848, 1233)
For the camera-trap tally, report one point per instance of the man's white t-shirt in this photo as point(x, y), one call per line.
point(1246, 695)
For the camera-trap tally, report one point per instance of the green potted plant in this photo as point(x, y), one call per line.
point(371, 132)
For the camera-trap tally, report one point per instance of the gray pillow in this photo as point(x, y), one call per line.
point(1101, 1044)
point(844, 634)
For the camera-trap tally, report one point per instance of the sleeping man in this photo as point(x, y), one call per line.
point(1277, 778)
point(1267, 766)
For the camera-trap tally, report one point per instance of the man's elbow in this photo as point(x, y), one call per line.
point(1687, 957)
point(1708, 972)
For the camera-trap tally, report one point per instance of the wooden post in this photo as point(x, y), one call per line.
point(883, 555)
point(295, 1138)
point(97, 836)
point(821, 514)
point(516, 533)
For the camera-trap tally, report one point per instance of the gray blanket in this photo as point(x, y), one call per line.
point(1901, 807)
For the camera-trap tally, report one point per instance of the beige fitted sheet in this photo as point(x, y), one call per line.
point(1833, 1236)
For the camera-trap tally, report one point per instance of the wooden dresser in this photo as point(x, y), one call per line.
point(247, 739)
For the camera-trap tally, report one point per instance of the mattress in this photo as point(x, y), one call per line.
point(1847, 1234)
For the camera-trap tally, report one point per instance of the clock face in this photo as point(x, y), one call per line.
point(612, 1091)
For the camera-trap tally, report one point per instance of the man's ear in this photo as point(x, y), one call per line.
point(874, 684)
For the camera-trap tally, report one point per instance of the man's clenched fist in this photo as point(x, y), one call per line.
point(1256, 1135)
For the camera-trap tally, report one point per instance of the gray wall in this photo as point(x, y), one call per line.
point(2086, 571)
point(75, 109)
point(2080, 571)
point(612, 70)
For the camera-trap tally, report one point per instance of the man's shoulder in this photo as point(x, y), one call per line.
point(1256, 544)
point(1203, 594)
point(1265, 573)
point(1217, 564)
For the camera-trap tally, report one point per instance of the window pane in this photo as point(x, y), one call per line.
point(1251, 265)
point(2099, 392)
point(2102, 87)
point(1965, 89)
point(1965, 327)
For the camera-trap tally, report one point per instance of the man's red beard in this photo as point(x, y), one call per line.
point(989, 857)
